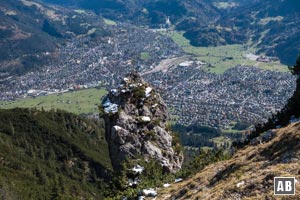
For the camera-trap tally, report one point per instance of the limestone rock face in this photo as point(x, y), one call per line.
point(136, 125)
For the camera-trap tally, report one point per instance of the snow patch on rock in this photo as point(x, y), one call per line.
point(138, 169)
point(145, 119)
point(148, 91)
point(149, 192)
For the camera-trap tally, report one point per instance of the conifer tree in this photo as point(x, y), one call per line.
point(296, 68)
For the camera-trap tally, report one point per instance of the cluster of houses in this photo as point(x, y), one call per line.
point(261, 58)
point(192, 94)
point(84, 64)
point(267, 59)
point(242, 93)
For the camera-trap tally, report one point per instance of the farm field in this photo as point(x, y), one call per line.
point(221, 58)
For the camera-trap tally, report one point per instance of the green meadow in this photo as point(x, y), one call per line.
point(145, 56)
point(79, 102)
point(220, 58)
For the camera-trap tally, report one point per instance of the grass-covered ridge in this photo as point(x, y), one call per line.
point(51, 155)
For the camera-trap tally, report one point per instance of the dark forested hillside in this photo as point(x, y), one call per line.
point(51, 155)
point(148, 12)
point(276, 24)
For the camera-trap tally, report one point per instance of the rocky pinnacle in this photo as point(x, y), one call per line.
point(136, 120)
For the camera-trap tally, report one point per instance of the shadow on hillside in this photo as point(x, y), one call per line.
point(284, 150)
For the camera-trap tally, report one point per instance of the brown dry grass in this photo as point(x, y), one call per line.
point(255, 165)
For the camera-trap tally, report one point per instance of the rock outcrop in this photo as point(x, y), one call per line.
point(136, 125)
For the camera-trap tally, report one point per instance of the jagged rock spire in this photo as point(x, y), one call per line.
point(136, 125)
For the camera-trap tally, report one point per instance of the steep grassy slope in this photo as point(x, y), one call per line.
point(51, 155)
point(254, 167)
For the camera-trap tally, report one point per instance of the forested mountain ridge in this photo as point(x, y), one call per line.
point(22, 39)
point(276, 24)
point(52, 155)
point(147, 12)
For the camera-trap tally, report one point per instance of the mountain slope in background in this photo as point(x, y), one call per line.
point(50, 155)
point(272, 27)
point(281, 21)
point(247, 175)
point(147, 12)
point(22, 38)
point(31, 32)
